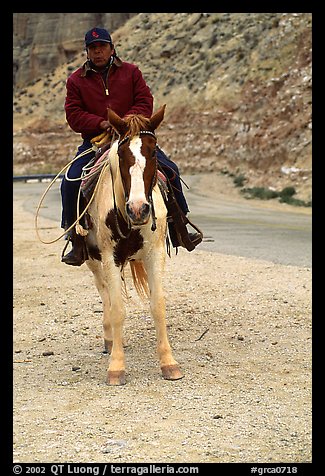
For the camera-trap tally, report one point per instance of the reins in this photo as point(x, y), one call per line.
point(116, 211)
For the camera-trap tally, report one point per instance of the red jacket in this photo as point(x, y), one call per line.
point(88, 97)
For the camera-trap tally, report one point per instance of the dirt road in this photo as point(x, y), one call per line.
point(240, 329)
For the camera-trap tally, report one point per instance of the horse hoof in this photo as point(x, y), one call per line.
point(116, 377)
point(171, 372)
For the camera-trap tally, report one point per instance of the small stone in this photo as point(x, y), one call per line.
point(113, 446)
point(47, 353)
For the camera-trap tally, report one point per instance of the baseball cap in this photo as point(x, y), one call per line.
point(97, 34)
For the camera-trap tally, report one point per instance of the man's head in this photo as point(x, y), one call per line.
point(99, 46)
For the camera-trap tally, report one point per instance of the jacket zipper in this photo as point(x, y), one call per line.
point(106, 84)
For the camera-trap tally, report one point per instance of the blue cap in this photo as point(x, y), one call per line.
point(97, 34)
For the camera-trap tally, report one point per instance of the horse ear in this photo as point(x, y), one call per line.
point(116, 122)
point(156, 118)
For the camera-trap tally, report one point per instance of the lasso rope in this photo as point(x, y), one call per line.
point(79, 229)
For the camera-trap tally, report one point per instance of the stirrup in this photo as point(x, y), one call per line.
point(180, 220)
point(77, 241)
point(180, 236)
point(197, 229)
point(68, 239)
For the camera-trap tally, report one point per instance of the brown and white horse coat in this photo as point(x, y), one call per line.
point(128, 225)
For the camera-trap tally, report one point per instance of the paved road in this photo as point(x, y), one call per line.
point(240, 229)
point(247, 229)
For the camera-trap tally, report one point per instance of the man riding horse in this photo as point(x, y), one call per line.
point(104, 81)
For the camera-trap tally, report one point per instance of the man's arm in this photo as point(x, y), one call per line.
point(78, 119)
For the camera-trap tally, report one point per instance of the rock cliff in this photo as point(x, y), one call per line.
point(43, 41)
point(237, 88)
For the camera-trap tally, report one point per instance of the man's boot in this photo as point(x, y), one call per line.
point(186, 240)
point(78, 254)
point(177, 221)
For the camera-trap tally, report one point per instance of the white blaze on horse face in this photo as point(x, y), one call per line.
point(137, 193)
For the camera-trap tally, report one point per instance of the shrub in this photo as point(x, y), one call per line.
point(239, 180)
point(294, 201)
point(287, 192)
point(285, 196)
point(260, 192)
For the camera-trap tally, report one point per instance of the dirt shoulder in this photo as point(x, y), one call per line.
point(240, 329)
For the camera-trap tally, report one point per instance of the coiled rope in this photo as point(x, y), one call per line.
point(79, 229)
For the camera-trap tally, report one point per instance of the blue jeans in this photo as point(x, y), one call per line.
point(70, 190)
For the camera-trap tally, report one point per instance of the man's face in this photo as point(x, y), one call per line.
point(99, 53)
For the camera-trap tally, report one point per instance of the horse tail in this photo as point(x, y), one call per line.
point(140, 278)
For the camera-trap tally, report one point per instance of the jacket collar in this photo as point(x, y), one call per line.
point(86, 66)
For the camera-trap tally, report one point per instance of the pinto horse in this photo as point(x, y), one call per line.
point(128, 225)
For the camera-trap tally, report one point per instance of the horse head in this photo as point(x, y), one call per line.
point(137, 161)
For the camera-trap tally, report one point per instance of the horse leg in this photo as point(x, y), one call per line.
point(169, 367)
point(116, 369)
point(96, 268)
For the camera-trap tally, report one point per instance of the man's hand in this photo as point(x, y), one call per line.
point(104, 125)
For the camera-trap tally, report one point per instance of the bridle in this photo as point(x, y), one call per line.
point(153, 181)
point(141, 133)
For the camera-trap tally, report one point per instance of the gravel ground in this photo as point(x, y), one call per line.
point(240, 329)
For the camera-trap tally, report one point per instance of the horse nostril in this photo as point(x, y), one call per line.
point(130, 212)
point(145, 209)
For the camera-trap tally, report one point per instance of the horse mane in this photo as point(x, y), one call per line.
point(136, 123)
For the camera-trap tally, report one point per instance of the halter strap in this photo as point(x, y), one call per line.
point(141, 133)
point(148, 132)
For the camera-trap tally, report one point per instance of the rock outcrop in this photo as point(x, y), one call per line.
point(43, 41)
